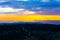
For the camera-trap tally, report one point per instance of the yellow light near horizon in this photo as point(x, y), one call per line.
point(27, 12)
point(28, 18)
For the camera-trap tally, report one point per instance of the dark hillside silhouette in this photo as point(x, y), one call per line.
point(28, 31)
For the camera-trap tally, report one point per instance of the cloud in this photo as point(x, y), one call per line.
point(29, 12)
point(45, 0)
point(57, 0)
point(22, 0)
point(15, 11)
point(2, 0)
point(8, 0)
point(9, 9)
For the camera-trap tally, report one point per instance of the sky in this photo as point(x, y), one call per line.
point(33, 5)
point(44, 7)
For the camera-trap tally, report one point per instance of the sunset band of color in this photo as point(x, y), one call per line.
point(28, 18)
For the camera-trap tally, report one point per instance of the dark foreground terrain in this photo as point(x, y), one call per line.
point(29, 32)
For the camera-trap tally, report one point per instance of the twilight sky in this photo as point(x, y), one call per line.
point(38, 6)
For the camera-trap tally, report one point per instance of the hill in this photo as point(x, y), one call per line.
point(32, 31)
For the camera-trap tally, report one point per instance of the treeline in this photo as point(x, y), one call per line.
point(28, 31)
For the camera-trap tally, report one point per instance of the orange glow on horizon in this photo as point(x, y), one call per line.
point(28, 17)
